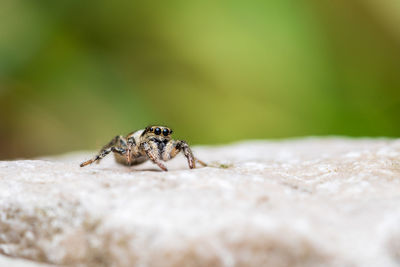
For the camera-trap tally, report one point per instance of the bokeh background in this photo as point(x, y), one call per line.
point(73, 74)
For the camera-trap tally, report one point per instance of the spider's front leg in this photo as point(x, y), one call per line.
point(116, 145)
point(151, 149)
point(174, 147)
point(130, 143)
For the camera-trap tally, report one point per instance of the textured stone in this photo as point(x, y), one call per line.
point(10, 262)
point(307, 202)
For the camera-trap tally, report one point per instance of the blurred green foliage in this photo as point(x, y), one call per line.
point(75, 73)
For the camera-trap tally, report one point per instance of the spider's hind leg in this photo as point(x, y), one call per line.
point(116, 145)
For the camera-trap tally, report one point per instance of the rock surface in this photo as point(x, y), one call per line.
point(10, 262)
point(306, 202)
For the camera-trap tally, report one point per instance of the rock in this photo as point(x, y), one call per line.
point(9, 262)
point(306, 202)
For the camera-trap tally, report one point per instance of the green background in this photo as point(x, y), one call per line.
point(73, 74)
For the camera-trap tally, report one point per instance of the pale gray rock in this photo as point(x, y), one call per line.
point(306, 202)
point(10, 262)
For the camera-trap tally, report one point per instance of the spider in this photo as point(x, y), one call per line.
point(153, 142)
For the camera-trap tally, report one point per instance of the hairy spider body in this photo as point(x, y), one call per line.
point(152, 143)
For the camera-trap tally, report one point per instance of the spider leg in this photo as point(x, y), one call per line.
point(174, 147)
point(201, 162)
point(151, 150)
point(116, 145)
point(131, 142)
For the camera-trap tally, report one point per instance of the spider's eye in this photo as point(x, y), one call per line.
point(157, 131)
point(151, 129)
point(165, 132)
point(170, 131)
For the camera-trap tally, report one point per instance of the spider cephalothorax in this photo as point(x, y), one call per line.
point(153, 142)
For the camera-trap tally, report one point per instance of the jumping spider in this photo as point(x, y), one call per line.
point(154, 143)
